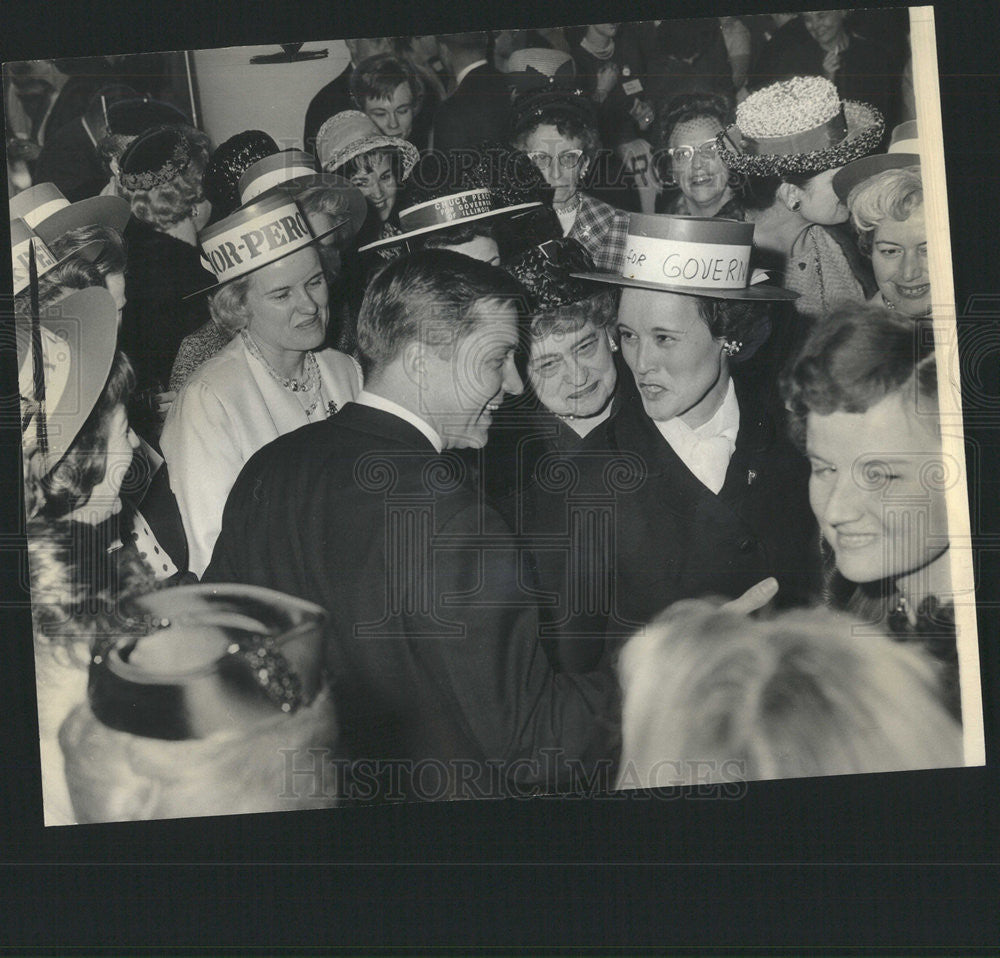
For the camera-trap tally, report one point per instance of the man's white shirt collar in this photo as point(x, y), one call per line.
point(373, 401)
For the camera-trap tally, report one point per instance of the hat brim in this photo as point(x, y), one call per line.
point(759, 292)
point(357, 205)
point(865, 127)
point(437, 227)
point(408, 151)
point(217, 286)
point(89, 318)
point(846, 178)
point(110, 211)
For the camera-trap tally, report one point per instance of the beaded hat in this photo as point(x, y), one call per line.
point(351, 133)
point(202, 659)
point(798, 126)
point(231, 159)
point(546, 272)
point(904, 151)
point(443, 192)
point(154, 158)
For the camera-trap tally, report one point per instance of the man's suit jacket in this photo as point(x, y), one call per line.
point(644, 532)
point(432, 642)
point(477, 111)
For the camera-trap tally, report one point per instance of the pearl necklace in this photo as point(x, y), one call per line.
point(564, 209)
point(310, 383)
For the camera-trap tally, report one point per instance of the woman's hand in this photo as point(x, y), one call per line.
point(756, 597)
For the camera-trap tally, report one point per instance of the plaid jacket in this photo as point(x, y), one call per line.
point(602, 230)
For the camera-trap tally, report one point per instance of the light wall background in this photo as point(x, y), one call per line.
point(235, 95)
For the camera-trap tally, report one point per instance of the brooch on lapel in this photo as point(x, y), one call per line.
point(751, 475)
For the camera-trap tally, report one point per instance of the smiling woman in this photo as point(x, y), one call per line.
point(863, 399)
point(274, 376)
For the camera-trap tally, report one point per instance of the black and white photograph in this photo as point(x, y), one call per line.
point(553, 411)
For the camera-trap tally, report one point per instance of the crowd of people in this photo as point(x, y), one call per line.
point(560, 415)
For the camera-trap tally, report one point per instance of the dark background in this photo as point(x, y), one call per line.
point(905, 858)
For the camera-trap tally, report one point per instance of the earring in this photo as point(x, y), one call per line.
point(731, 347)
point(612, 343)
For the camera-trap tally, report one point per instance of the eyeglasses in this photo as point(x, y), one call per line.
point(685, 154)
point(568, 159)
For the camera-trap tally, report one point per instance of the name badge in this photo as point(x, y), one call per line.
point(632, 87)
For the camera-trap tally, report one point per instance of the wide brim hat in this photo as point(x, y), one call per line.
point(293, 172)
point(78, 339)
point(21, 239)
point(443, 192)
point(51, 215)
point(904, 151)
point(204, 659)
point(254, 236)
point(692, 255)
point(351, 133)
point(798, 126)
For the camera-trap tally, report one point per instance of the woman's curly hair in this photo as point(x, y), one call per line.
point(167, 205)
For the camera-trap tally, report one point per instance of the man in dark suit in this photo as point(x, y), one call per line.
point(441, 686)
point(478, 108)
point(335, 97)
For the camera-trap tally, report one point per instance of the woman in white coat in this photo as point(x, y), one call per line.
point(272, 378)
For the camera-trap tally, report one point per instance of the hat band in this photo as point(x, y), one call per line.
point(20, 254)
point(905, 146)
point(447, 209)
point(256, 242)
point(264, 182)
point(820, 137)
point(672, 262)
point(43, 211)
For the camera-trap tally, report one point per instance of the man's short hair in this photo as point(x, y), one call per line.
point(432, 296)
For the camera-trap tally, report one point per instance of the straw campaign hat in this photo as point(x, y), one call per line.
point(22, 237)
point(63, 366)
point(50, 214)
point(693, 255)
point(798, 126)
point(904, 151)
point(293, 171)
point(254, 236)
point(444, 192)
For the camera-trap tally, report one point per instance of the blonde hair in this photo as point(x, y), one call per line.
point(711, 695)
point(891, 193)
